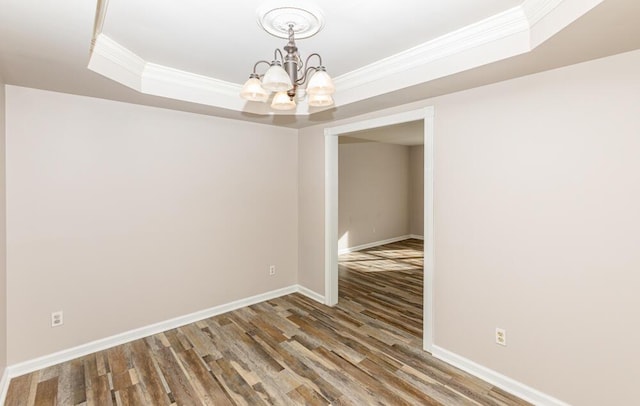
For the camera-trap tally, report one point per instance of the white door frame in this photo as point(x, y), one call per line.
point(331, 207)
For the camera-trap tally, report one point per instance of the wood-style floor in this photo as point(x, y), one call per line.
point(287, 351)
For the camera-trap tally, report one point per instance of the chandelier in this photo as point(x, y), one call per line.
point(286, 74)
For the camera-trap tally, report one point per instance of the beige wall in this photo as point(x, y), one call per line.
point(3, 237)
point(537, 189)
point(416, 190)
point(311, 209)
point(124, 215)
point(373, 201)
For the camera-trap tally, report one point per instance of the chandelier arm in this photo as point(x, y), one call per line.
point(311, 56)
point(301, 65)
point(258, 63)
point(306, 75)
point(275, 55)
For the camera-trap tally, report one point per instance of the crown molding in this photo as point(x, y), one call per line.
point(512, 32)
point(116, 62)
point(494, 28)
point(548, 17)
point(182, 78)
point(162, 80)
point(536, 10)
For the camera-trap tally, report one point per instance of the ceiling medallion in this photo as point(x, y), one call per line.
point(287, 73)
point(276, 21)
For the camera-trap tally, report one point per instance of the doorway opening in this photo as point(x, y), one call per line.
point(332, 207)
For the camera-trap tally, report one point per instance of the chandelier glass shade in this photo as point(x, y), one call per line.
point(276, 79)
point(282, 101)
point(253, 91)
point(287, 73)
point(321, 84)
point(320, 100)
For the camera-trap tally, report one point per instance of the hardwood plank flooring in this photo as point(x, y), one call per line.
point(288, 351)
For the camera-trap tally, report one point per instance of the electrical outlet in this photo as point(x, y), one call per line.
point(501, 336)
point(57, 319)
point(272, 270)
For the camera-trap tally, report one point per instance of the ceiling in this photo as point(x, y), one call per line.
point(223, 39)
point(193, 55)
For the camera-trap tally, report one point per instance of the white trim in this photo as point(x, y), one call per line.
point(373, 244)
point(310, 294)
point(116, 62)
point(494, 28)
point(108, 342)
point(331, 218)
point(4, 385)
point(399, 118)
point(185, 79)
point(535, 10)
point(512, 386)
point(505, 34)
point(429, 230)
point(99, 20)
point(548, 17)
point(416, 236)
point(178, 84)
point(331, 206)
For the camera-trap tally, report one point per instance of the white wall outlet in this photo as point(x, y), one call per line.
point(272, 270)
point(57, 319)
point(501, 336)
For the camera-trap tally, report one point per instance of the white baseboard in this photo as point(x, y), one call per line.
point(416, 236)
point(510, 385)
point(4, 385)
point(108, 342)
point(311, 294)
point(373, 244)
point(503, 382)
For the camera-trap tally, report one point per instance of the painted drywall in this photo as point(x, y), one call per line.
point(3, 237)
point(537, 189)
point(374, 187)
point(416, 190)
point(311, 211)
point(124, 215)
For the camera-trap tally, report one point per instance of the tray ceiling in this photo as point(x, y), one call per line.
point(194, 55)
point(223, 39)
point(200, 51)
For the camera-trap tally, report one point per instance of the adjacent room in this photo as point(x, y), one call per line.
point(381, 221)
point(280, 202)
